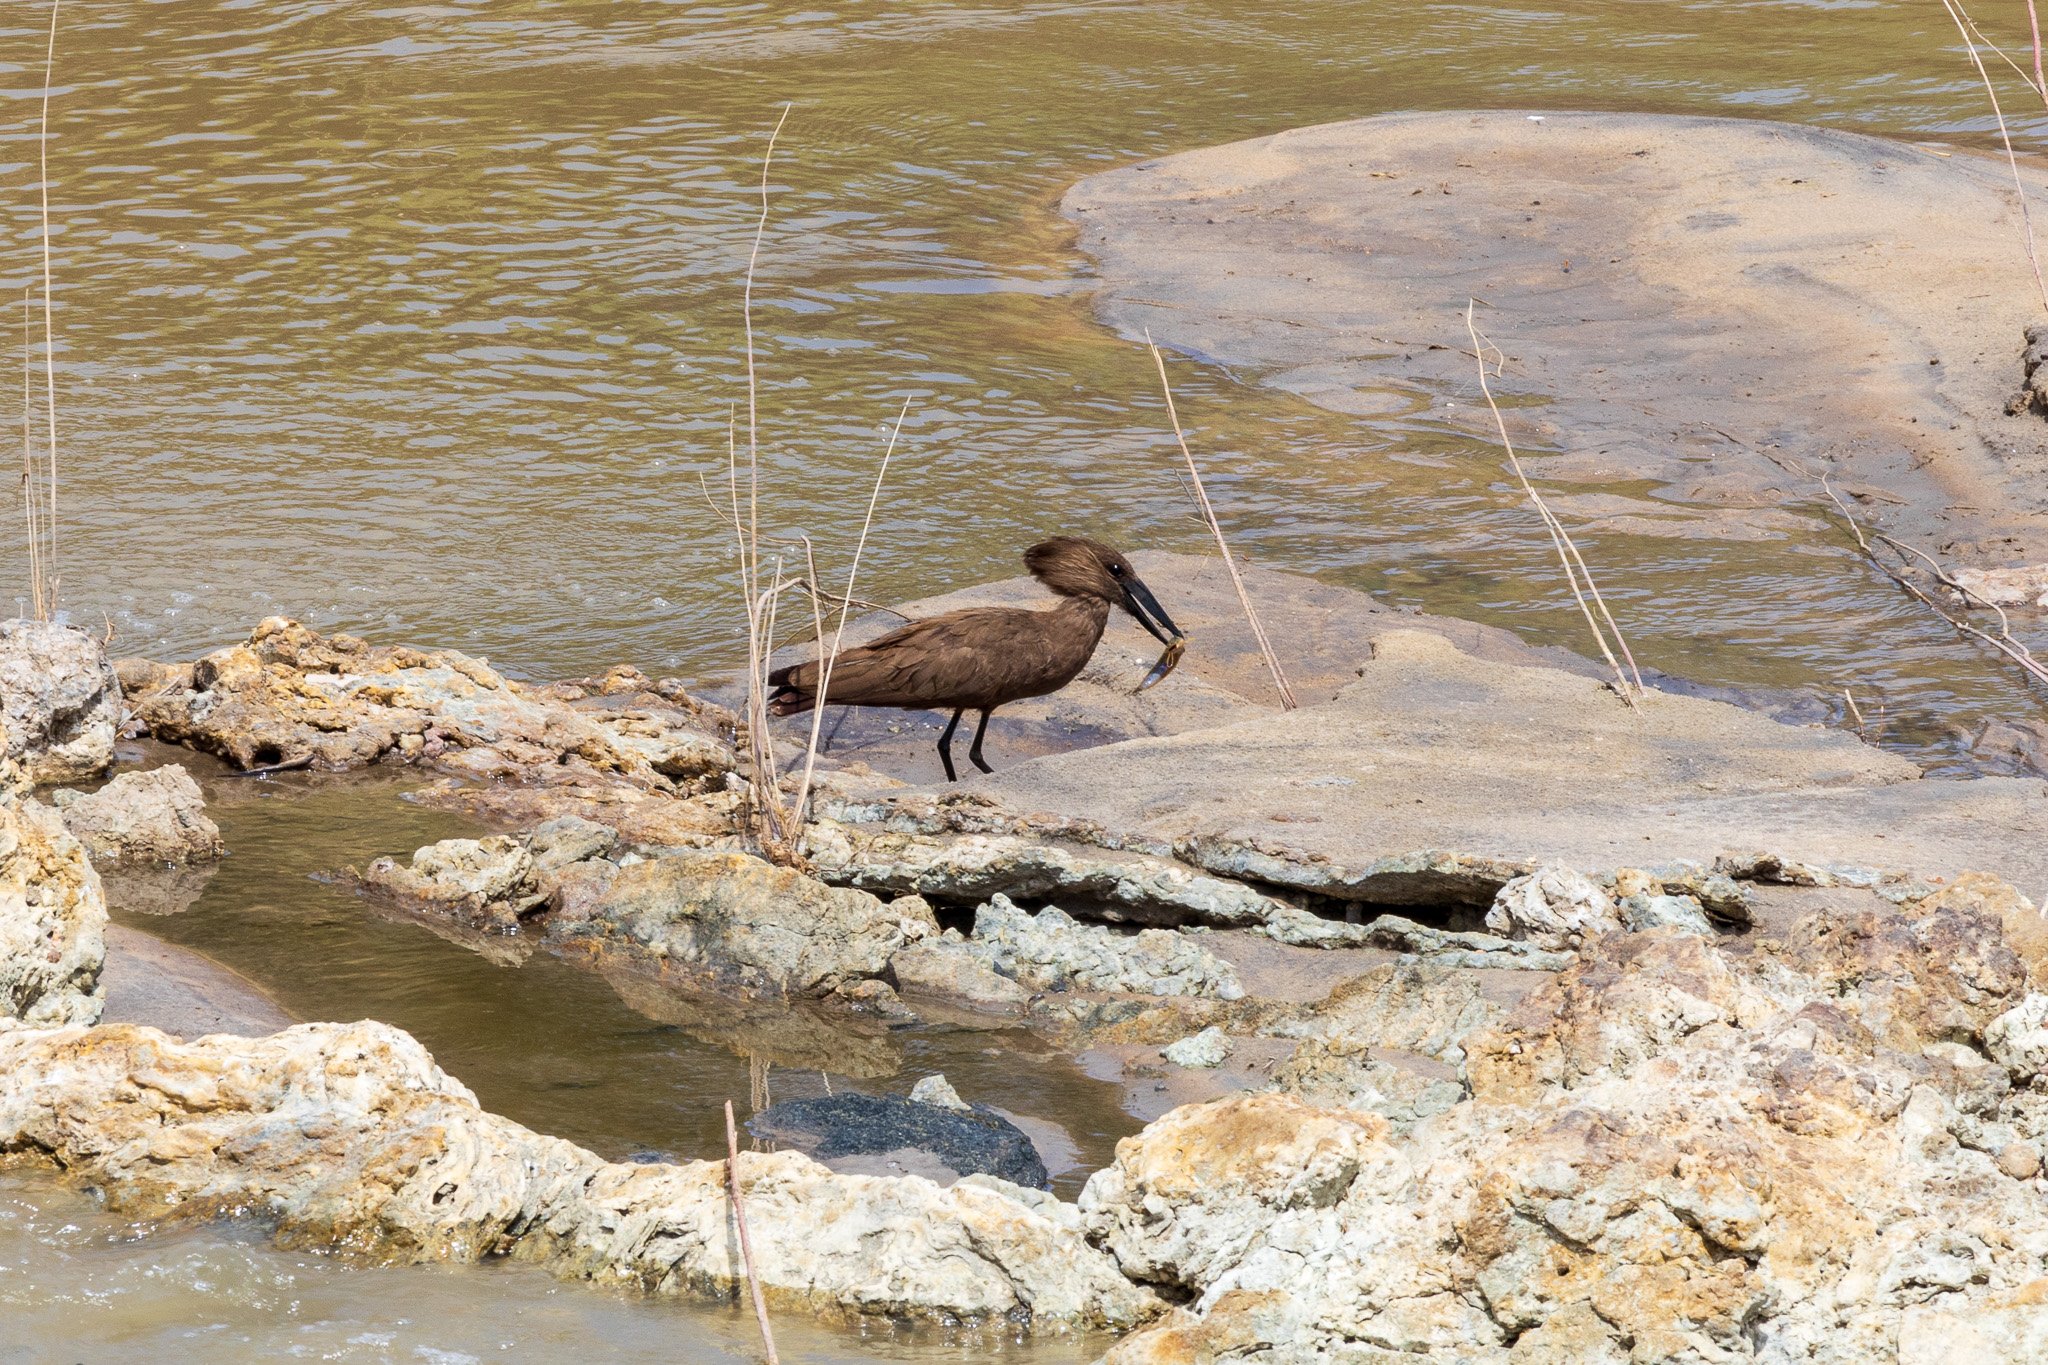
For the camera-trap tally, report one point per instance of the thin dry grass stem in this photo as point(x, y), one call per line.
point(747, 321)
point(50, 569)
point(1854, 709)
point(2004, 641)
point(2003, 55)
point(831, 656)
point(1201, 496)
point(739, 1217)
point(1964, 25)
point(776, 830)
point(30, 498)
point(2040, 80)
point(1592, 605)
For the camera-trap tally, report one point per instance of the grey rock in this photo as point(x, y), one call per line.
point(570, 839)
point(1553, 907)
point(936, 1089)
point(733, 921)
point(61, 699)
point(1640, 912)
point(949, 969)
point(1051, 951)
point(157, 816)
point(1202, 1051)
point(481, 883)
point(1136, 887)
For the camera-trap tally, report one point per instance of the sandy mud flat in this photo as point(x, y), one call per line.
point(1719, 308)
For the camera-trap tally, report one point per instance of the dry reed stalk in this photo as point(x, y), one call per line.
point(50, 568)
point(1576, 573)
point(29, 497)
point(1964, 26)
point(1201, 496)
point(1854, 709)
point(768, 814)
point(831, 656)
point(2040, 80)
point(739, 1216)
point(2004, 642)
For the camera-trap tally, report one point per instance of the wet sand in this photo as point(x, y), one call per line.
point(1719, 309)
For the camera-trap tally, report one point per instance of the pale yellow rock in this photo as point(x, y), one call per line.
point(350, 1138)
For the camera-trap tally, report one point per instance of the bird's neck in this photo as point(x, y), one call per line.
point(1092, 610)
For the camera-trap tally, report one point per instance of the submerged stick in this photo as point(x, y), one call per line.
point(1244, 598)
point(739, 1216)
point(1575, 569)
point(2004, 642)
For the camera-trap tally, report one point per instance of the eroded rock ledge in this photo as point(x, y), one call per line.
point(349, 1137)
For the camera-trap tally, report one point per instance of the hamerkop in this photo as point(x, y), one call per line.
point(980, 658)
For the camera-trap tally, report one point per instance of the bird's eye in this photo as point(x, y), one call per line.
point(1116, 571)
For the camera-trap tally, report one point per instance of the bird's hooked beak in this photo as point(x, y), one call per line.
point(1139, 602)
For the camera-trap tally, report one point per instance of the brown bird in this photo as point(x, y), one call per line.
point(980, 658)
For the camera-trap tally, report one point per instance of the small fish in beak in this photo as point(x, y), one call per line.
point(1139, 602)
point(1167, 661)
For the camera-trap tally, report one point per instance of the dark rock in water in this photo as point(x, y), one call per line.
point(970, 1141)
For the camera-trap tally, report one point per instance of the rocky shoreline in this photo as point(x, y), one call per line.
point(1732, 1053)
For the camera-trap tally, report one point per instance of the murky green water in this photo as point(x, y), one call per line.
point(422, 321)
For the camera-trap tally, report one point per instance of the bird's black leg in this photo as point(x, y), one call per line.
point(946, 745)
point(974, 749)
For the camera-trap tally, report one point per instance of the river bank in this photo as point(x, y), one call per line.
point(1354, 961)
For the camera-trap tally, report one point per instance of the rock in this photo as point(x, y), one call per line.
point(744, 924)
point(643, 819)
point(290, 695)
point(1452, 948)
point(1425, 1008)
point(1553, 907)
point(1239, 254)
point(935, 1089)
point(970, 1140)
point(348, 1138)
point(2020, 1160)
point(157, 816)
point(2018, 1039)
point(1341, 1073)
point(570, 839)
point(1050, 951)
point(1669, 1152)
point(950, 970)
point(61, 699)
point(1185, 1198)
point(1665, 912)
point(1136, 887)
point(53, 921)
point(1202, 1051)
point(1687, 779)
point(481, 883)
point(2032, 395)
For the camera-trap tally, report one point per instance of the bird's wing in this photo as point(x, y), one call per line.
point(925, 663)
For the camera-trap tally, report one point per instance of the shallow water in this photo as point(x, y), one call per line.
point(78, 1283)
point(423, 321)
